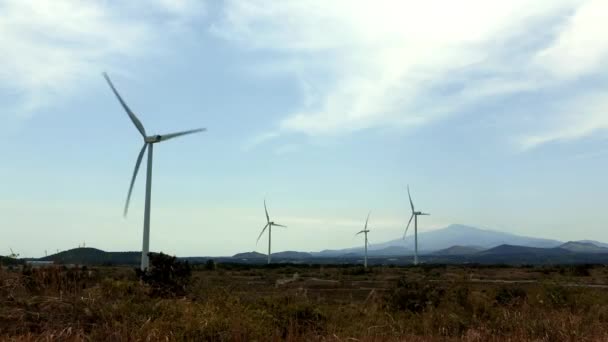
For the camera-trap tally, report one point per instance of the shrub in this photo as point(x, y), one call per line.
point(210, 265)
point(414, 296)
point(167, 276)
point(581, 270)
point(558, 296)
point(510, 295)
point(294, 317)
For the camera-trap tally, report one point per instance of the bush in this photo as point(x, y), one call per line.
point(294, 317)
point(581, 270)
point(166, 276)
point(558, 296)
point(510, 295)
point(414, 296)
point(210, 265)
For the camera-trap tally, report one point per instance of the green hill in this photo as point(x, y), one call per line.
point(94, 256)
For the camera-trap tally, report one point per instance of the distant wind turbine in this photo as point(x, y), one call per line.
point(268, 225)
point(149, 141)
point(365, 231)
point(414, 216)
point(13, 254)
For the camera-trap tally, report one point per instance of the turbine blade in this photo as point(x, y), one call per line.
point(263, 230)
point(367, 219)
point(408, 195)
point(425, 214)
point(135, 171)
point(363, 231)
point(279, 225)
point(179, 134)
point(132, 115)
point(408, 225)
point(266, 210)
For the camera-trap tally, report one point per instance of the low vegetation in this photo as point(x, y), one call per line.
point(176, 301)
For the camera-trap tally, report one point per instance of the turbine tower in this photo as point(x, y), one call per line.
point(149, 141)
point(269, 225)
point(414, 216)
point(365, 231)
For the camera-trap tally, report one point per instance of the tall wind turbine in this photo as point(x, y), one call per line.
point(365, 231)
point(149, 141)
point(268, 225)
point(414, 216)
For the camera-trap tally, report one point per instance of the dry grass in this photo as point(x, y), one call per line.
point(321, 303)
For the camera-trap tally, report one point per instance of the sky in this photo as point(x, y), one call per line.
point(494, 112)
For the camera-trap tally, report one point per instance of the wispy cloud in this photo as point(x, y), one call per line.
point(582, 117)
point(409, 63)
point(48, 46)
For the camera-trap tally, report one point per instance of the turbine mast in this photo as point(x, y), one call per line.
point(269, 241)
point(146, 240)
point(365, 261)
point(415, 239)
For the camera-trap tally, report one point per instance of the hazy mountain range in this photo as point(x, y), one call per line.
point(453, 244)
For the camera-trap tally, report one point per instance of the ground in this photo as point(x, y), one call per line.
point(306, 303)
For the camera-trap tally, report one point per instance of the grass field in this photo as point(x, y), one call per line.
point(306, 303)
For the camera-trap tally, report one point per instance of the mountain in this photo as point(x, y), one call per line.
point(389, 251)
point(460, 235)
point(597, 243)
point(458, 250)
point(360, 251)
point(583, 247)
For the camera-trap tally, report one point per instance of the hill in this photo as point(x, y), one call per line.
point(291, 255)
point(523, 250)
point(249, 255)
point(583, 247)
point(94, 256)
point(458, 250)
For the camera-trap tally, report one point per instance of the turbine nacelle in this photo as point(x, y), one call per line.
point(153, 139)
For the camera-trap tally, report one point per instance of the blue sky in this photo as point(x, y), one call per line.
point(494, 113)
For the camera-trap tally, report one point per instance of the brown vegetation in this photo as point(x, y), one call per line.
point(316, 303)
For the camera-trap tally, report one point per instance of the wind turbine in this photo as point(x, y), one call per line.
point(149, 141)
point(13, 254)
point(414, 216)
point(365, 231)
point(268, 225)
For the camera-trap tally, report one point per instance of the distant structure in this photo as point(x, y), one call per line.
point(414, 216)
point(365, 231)
point(269, 225)
point(13, 254)
point(149, 142)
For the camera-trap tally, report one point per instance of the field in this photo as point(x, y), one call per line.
point(307, 303)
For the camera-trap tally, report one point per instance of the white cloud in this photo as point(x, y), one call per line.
point(581, 118)
point(384, 63)
point(48, 46)
point(582, 45)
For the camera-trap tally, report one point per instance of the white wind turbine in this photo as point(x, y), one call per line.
point(149, 141)
point(414, 216)
point(365, 231)
point(268, 225)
